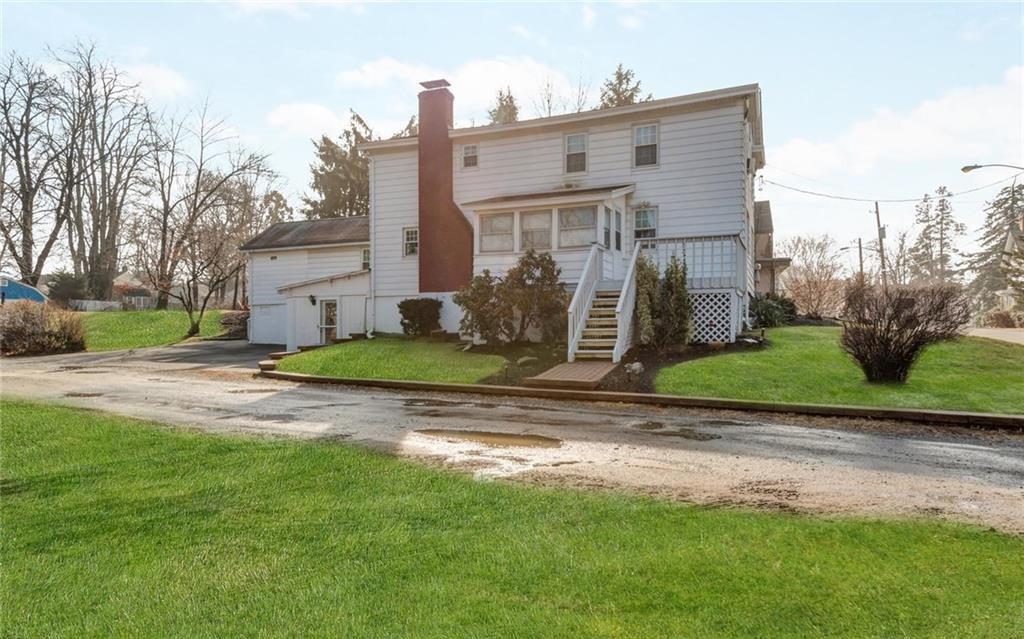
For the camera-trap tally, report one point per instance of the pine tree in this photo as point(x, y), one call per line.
point(621, 89)
point(1013, 269)
point(675, 312)
point(1004, 212)
point(505, 110)
point(934, 251)
point(341, 175)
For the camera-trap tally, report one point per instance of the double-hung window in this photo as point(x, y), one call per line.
point(645, 224)
point(645, 145)
point(497, 233)
point(576, 153)
point(577, 226)
point(469, 156)
point(535, 231)
point(410, 241)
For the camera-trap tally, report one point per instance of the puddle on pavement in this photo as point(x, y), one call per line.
point(253, 390)
point(431, 402)
point(493, 439)
point(77, 394)
point(649, 426)
point(658, 428)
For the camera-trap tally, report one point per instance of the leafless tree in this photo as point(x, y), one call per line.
point(814, 279)
point(33, 203)
point(192, 167)
point(206, 266)
point(885, 329)
point(550, 102)
point(113, 153)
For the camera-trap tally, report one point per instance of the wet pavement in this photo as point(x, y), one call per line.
point(795, 463)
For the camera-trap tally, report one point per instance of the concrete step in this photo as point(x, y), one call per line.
point(268, 365)
point(281, 354)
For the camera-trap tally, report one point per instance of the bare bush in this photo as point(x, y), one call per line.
point(886, 329)
point(30, 328)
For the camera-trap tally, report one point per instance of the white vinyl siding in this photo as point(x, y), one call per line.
point(394, 206)
point(271, 270)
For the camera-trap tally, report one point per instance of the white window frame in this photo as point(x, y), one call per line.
point(475, 155)
point(657, 145)
point(597, 225)
point(654, 211)
point(511, 232)
point(520, 229)
point(365, 255)
point(586, 153)
point(406, 242)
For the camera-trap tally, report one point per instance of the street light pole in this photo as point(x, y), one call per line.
point(971, 167)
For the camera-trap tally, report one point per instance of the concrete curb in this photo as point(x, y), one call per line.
point(974, 420)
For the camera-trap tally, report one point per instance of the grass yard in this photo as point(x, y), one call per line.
point(113, 330)
point(806, 364)
point(118, 527)
point(395, 358)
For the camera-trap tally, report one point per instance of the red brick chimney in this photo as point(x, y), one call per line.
point(446, 237)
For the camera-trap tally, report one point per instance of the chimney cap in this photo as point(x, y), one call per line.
point(435, 84)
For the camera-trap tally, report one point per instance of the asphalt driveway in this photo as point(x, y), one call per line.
point(796, 463)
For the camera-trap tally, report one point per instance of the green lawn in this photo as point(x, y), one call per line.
point(395, 358)
point(806, 364)
point(117, 527)
point(112, 330)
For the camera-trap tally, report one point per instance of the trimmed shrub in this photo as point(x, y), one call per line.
point(646, 300)
point(886, 330)
point(675, 312)
point(767, 312)
point(420, 315)
point(999, 319)
point(503, 310)
point(30, 328)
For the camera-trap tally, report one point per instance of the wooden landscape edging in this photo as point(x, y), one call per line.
point(976, 420)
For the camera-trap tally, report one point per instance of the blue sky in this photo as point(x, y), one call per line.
point(880, 100)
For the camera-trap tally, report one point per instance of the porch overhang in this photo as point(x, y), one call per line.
point(549, 198)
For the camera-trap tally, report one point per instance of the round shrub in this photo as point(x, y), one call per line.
point(30, 328)
point(420, 315)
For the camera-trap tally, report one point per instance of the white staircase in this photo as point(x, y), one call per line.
point(601, 330)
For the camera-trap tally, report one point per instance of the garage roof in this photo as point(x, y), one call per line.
point(334, 230)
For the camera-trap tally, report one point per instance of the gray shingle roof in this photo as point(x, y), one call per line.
point(335, 230)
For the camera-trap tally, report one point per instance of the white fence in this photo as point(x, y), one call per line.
point(94, 305)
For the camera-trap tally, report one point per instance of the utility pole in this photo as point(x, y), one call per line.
point(881, 246)
point(860, 259)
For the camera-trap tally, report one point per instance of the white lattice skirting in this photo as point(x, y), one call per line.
point(714, 316)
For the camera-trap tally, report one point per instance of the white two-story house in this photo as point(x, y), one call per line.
point(596, 189)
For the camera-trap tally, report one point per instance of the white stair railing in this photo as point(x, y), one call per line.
point(586, 289)
point(624, 309)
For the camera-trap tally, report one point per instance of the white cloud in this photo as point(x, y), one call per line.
point(156, 81)
point(474, 83)
point(528, 35)
point(962, 125)
point(306, 119)
point(589, 16)
point(630, 21)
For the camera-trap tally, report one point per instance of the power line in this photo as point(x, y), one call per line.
point(891, 201)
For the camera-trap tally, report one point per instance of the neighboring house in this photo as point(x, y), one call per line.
point(768, 267)
point(1011, 253)
point(309, 281)
point(595, 189)
point(11, 290)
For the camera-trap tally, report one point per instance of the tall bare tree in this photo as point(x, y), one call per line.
point(114, 149)
point(193, 163)
point(814, 279)
point(33, 203)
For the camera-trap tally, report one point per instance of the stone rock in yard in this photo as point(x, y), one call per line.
point(635, 368)
point(526, 360)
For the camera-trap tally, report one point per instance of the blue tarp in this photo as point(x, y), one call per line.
point(11, 289)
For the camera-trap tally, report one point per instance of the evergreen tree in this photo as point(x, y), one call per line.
point(505, 110)
point(934, 251)
point(1001, 214)
point(675, 321)
point(410, 130)
point(621, 89)
point(341, 174)
point(1014, 272)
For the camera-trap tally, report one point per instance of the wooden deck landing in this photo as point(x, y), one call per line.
point(572, 375)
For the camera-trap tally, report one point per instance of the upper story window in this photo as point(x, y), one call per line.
point(410, 241)
point(469, 156)
point(576, 153)
point(497, 232)
point(645, 224)
point(535, 231)
point(645, 145)
point(366, 259)
point(577, 226)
